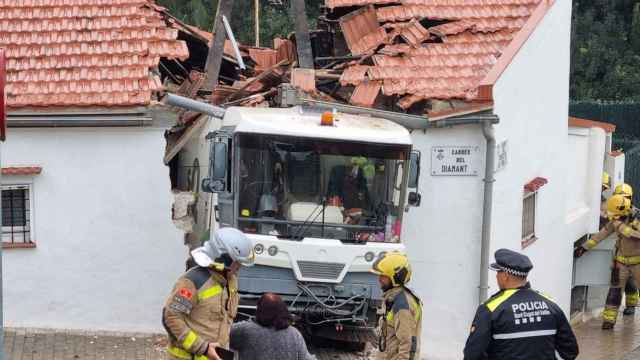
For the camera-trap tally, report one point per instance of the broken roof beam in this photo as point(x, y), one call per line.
point(303, 41)
point(255, 79)
point(216, 50)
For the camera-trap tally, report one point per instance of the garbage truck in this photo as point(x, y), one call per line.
point(320, 189)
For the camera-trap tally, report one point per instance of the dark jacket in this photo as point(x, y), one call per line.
point(520, 324)
point(253, 341)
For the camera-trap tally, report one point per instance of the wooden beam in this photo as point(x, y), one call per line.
point(256, 20)
point(257, 78)
point(303, 41)
point(216, 49)
point(186, 136)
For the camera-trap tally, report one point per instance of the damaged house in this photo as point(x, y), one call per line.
point(85, 194)
point(491, 80)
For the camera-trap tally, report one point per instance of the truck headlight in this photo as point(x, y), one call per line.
point(369, 256)
point(258, 249)
point(273, 250)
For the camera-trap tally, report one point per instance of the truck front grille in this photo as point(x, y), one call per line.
point(320, 270)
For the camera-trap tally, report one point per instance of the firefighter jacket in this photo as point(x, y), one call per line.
point(400, 325)
point(627, 245)
point(520, 324)
point(199, 311)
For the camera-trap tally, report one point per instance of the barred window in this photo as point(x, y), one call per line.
point(529, 215)
point(16, 214)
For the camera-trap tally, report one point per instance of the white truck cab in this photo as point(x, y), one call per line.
point(321, 195)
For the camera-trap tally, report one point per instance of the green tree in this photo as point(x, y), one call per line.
point(605, 50)
point(275, 17)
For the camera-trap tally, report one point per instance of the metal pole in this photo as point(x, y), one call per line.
point(186, 103)
point(256, 13)
point(234, 43)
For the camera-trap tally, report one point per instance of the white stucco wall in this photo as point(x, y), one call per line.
point(443, 244)
point(443, 236)
point(107, 252)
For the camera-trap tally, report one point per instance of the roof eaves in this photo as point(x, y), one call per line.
point(485, 89)
point(585, 123)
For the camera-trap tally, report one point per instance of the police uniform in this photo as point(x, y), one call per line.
point(400, 325)
point(626, 262)
point(199, 311)
point(521, 323)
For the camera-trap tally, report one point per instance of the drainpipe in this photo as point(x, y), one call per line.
point(490, 157)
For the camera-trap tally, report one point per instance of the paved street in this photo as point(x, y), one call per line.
point(623, 343)
point(20, 344)
point(36, 344)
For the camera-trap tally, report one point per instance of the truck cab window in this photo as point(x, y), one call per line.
point(297, 187)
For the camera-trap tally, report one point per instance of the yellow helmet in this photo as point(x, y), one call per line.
point(618, 206)
point(605, 180)
point(625, 190)
point(395, 266)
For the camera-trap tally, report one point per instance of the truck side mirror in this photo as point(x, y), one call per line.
point(217, 181)
point(414, 169)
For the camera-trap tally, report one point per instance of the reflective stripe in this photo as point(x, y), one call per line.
point(179, 353)
point(493, 304)
point(610, 315)
point(390, 316)
point(590, 244)
point(189, 340)
point(628, 260)
point(524, 334)
point(626, 230)
point(210, 292)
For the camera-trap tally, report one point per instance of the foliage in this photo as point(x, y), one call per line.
point(605, 50)
point(275, 18)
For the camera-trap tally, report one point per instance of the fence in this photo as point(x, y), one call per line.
point(626, 116)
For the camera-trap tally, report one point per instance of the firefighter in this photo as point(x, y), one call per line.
point(518, 322)
point(627, 256)
point(200, 310)
point(631, 293)
point(400, 322)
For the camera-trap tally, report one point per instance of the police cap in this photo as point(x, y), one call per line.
point(512, 263)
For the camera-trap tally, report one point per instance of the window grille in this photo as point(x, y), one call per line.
point(16, 214)
point(529, 215)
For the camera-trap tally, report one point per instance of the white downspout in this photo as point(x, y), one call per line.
point(490, 157)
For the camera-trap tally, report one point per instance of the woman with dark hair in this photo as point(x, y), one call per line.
point(270, 335)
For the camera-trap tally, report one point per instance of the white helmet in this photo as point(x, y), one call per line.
point(227, 241)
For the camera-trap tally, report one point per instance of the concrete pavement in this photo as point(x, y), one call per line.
point(623, 343)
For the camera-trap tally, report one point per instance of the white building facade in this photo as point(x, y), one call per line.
point(105, 250)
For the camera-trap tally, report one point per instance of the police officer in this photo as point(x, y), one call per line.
point(400, 323)
point(627, 256)
point(518, 322)
point(200, 310)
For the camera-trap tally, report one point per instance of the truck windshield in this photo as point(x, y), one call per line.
point(303, 187)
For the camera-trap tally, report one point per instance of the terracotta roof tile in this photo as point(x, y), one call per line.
point(345, 3)
point(414, 33)
point(474, 36)
point(84, 52)
point(361, 30)
point(340, 3)
point(21, 170)
point(406, 12)
point(365, 93)
point(443, 60)
point(452, 28)
point(353, 75)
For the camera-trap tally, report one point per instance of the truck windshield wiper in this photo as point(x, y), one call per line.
point(308, 222)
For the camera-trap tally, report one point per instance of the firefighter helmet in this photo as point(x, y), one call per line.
point(625, 190)
point(618, 206)
point(395, 266)
point(605, 180)
point(227, 246)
